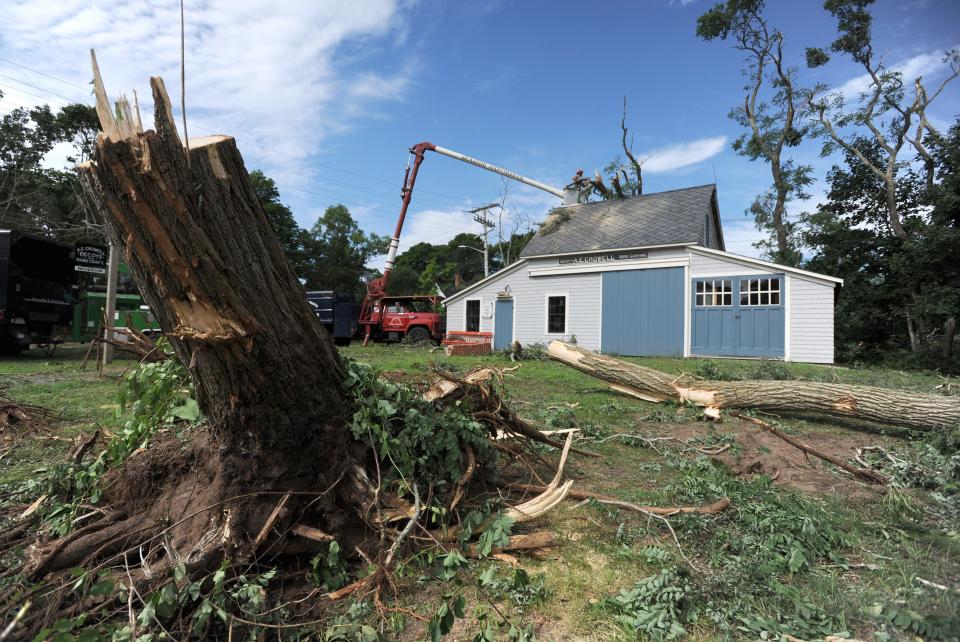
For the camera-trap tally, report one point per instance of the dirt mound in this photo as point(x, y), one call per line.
point(759, 452)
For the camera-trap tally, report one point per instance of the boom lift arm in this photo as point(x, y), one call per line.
point(376, 289)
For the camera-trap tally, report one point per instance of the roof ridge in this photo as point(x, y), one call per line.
point(635, 196)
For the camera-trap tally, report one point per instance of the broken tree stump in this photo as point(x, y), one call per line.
point(266, 374)
point(878, 405)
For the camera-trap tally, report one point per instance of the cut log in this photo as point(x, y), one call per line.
point(520, 542)
point(878, 405)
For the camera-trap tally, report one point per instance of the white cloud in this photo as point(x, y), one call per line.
point(739, 236)
point(273, 75)
point(928, 64)
point(668, 159)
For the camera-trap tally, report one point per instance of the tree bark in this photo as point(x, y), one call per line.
point(949, 331)
point(203, 255)
point(880, 405)
point(266, 374)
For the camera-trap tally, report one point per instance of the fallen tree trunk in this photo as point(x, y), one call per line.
point(879, 405)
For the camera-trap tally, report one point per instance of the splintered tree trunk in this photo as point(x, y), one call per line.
point(880, 405)
point(203, 255)
point(266, 374)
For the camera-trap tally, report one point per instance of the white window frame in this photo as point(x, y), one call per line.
point(479, 301)
point(546, 313)
point(713, 292)
point(769, 291)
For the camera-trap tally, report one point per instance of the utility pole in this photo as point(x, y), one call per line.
point(110, 309)
point(480, 216)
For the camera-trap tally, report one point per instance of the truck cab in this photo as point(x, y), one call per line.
point(413, 318)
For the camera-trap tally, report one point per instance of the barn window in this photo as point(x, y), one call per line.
point(473, 315)
point(714, 293)
point(557, 314)
point(764, 291)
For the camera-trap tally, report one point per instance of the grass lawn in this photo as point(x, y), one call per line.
point(832, 557)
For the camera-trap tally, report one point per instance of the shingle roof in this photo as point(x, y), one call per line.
point(663, 218)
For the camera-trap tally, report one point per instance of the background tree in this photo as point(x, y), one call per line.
point(41, 200)
point(887, 114)
point(625, 179)
point(770, 114)
point(337, 252)
point(292, 238)
point(885, 111)
point(892, 285)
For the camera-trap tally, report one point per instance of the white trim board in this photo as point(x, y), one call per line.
point(615, 266)
point(773, 267)
point(490, 279)
point(601, 250)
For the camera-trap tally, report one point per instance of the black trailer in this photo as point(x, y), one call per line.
point(36, 291)
point(338, 312)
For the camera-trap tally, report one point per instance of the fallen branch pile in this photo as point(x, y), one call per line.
point(878, 405)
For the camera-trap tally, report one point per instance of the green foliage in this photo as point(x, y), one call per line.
point(328, 569)
point(332, 255)
point(36, 199)
point(710, 370)
point(754, 551)
point(451, 608)
point(772, 370)
point(414, 439)
point(152, 396)
point(338, 251)
point(496, 534)
point(927, 627)
point(522, 590)
point(656, 607)
point(888, 280)
point(529, 352)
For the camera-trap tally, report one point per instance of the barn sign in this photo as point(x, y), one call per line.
point(601, 258)
point(91, 259)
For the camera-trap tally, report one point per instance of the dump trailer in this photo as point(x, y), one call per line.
point(37, 291)
point(130, 312)
point(337, 311)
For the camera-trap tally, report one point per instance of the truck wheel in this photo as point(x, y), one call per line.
point(418, 336)
point(341, 341)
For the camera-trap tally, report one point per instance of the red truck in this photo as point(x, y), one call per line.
point(416, 319)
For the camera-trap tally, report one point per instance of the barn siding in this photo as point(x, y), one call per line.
point(529, 305)
point(811, 320)
point(702, 266)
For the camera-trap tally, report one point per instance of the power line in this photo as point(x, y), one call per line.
point(454, 199)
point(43, 89)
point(66, 82)
point(29, 93)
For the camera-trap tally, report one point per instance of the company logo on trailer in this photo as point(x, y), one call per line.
point(601, 258)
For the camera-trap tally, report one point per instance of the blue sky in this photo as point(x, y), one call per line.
point(326, 97)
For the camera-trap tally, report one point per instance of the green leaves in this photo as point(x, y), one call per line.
point(656, 606)
point(442, 621)
point(495, 535)
point(413, 438)
point(328, 569)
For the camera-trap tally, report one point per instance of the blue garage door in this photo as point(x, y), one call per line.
point(643, 312)
point(503, 324)
point(738, 316)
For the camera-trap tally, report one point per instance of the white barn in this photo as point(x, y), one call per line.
point(649, 275)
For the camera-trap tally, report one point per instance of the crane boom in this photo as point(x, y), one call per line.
point(376, 288)
point(499, 170)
